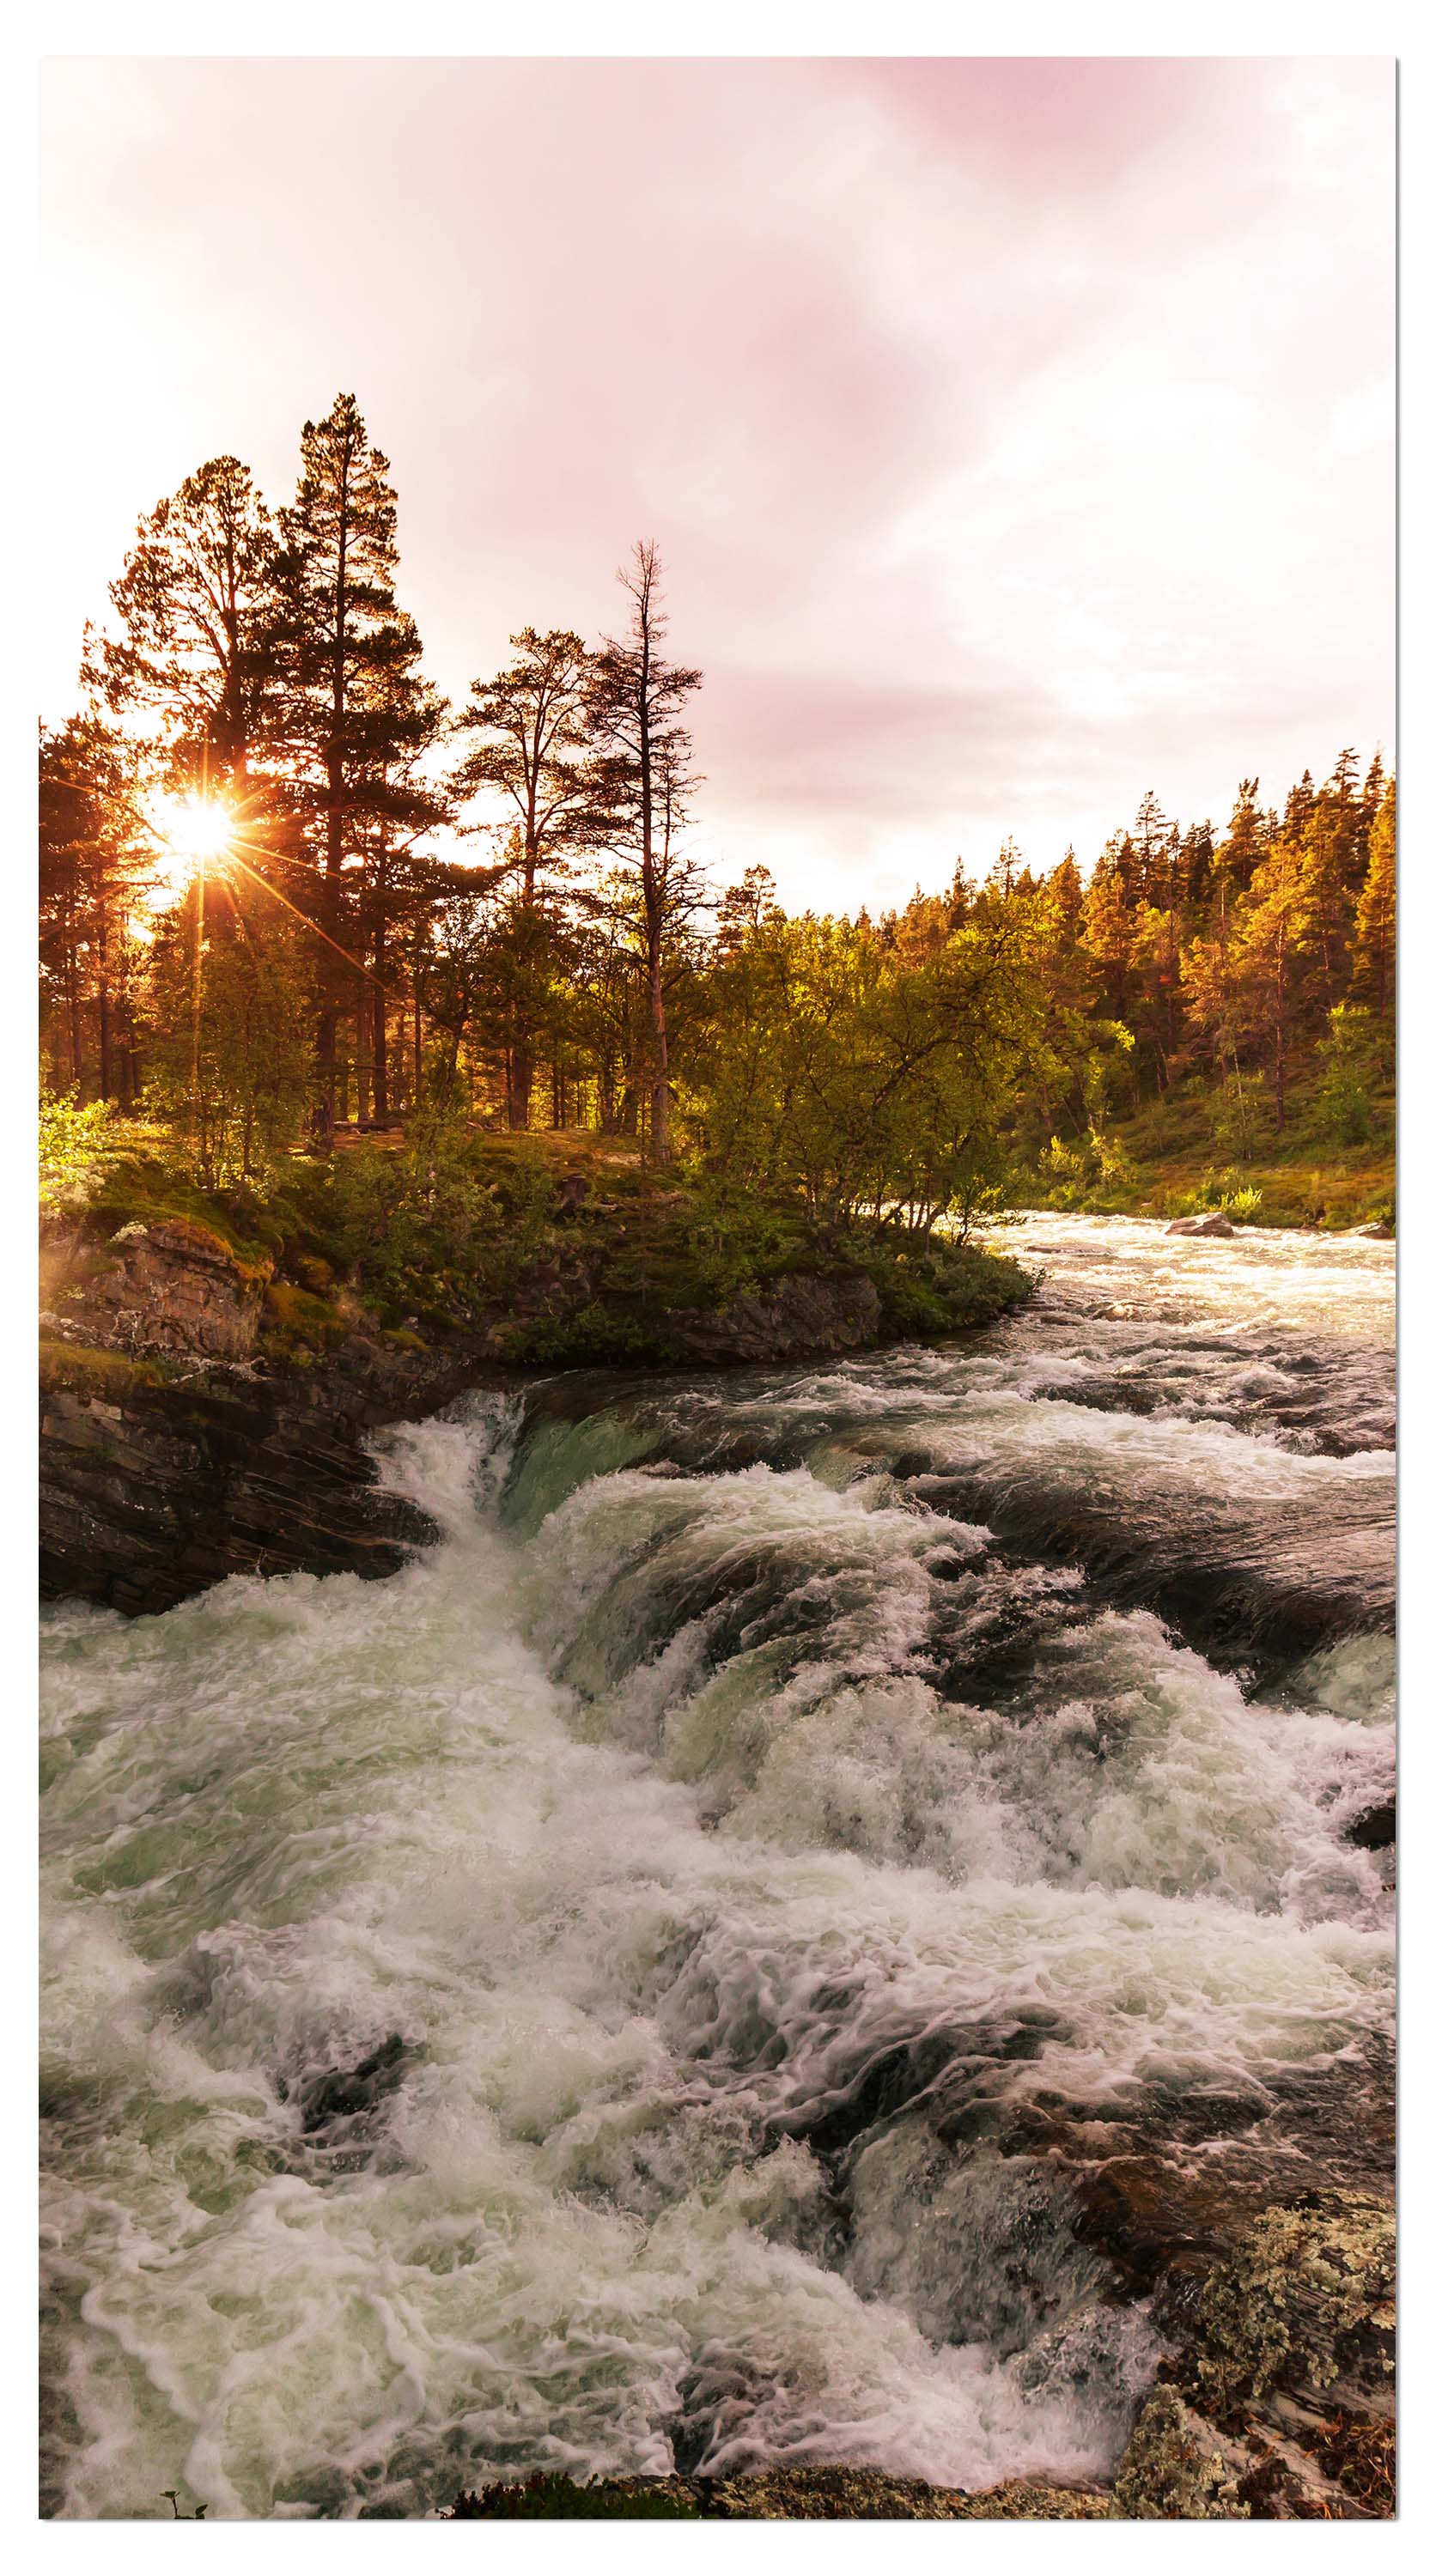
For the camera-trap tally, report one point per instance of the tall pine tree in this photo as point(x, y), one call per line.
point(356, 707)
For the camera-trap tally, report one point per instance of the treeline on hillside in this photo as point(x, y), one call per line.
point(253, 926)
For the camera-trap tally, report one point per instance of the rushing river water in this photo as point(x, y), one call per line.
point(688, 1970)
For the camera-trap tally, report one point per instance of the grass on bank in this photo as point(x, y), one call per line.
point(1191, 1149)
point(434, 1230)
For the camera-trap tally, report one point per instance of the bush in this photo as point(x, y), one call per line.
point(80, 1147)
point(1090, 1173)
point(1225, 1192)
point(1236, 1114)
point(1349, 1065)
point(439, 1225)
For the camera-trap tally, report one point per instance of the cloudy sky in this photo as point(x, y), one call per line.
point(1018, 434)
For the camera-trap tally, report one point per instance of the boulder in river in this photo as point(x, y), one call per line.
point(1203, 1225)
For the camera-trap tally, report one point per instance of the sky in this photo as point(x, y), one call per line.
point(1018, 435)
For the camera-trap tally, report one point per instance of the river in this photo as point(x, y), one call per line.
point(790, 1931)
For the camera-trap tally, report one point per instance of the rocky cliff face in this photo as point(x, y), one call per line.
point(154, 1484)
point(175, 1451)
point(797, 1318)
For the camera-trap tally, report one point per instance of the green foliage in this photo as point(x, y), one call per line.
point(1090, 1173)
point(860, 1080)
point(1348, 1056)
point(1239, 1113)
point(937, 1288)
point(76, 1144)
point(599, 1335)
point(436, 1227)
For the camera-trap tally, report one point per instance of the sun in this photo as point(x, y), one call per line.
point(194, 833)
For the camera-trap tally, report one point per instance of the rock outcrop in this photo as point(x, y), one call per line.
point(1203, 1225)
point(796, 1318)
point(165, 1287)
point(189, 1430)
point(157, 1479)
point(1279, 2407)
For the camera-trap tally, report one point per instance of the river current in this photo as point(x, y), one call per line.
point(774, 1937)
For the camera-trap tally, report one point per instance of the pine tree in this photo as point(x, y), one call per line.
point(1325, 907)
point(95, 856)
point(1109, 928)
point(1374, 975)
point(1265, 951)
point(534, 754)
point(357, 708)
point(644, 782)
point(743, 907)
point(195, 607)
point(1244, 848)
point(1150, 841)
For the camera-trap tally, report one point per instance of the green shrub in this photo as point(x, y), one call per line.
point(1349, 1071)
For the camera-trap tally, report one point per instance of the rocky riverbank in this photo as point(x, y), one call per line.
point(203, 1415)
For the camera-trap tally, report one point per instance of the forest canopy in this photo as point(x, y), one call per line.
point(287, 892)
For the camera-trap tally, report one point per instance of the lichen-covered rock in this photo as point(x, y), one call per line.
point(1303, 2305)
point(1176, 2468)
point(1279, 2406)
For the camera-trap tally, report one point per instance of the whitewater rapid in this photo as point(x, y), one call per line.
point(651, 1983)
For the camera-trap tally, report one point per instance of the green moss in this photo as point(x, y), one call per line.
point(295, 1315)
point(143, 1190)
point(90, 1370)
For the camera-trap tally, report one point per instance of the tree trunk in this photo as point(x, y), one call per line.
point(381, 1024)
point(520, 1084)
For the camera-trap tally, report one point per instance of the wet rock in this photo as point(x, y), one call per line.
point(1381, 1232)
point(1215, 1224)
point(160, 1478)
point(1176, 2468)
point(1303, 2307)
point(1279, 2406)
point(340, 2104)
point(797, 1318)
point(1375, 1828)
